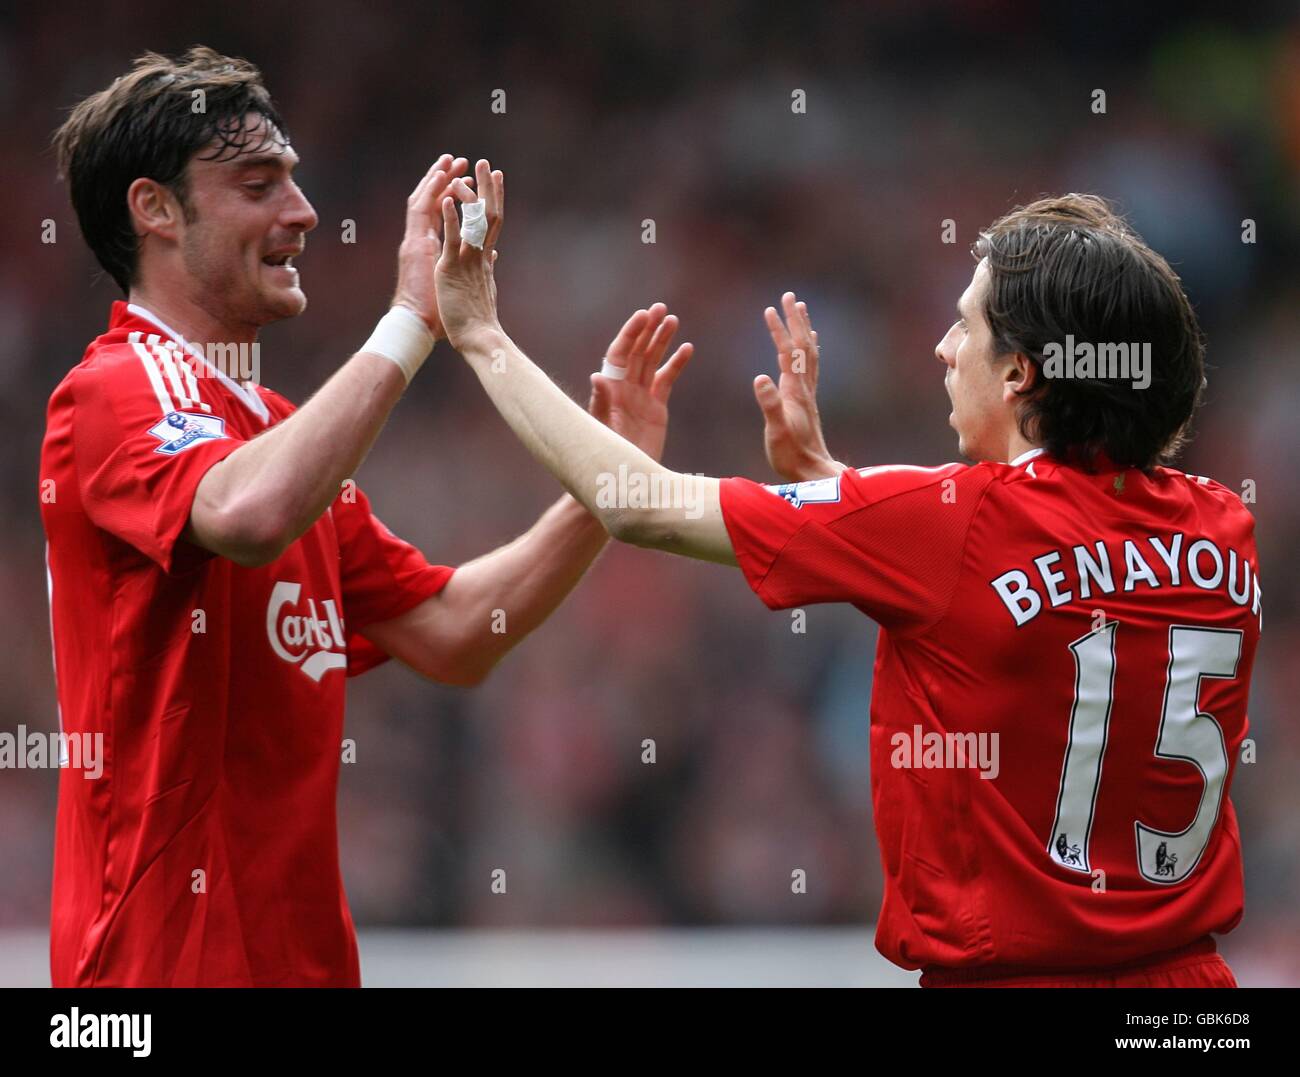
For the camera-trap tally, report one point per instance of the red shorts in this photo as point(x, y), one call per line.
point(1196, 965)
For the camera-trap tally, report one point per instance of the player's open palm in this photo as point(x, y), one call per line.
point(792, 431)
point(635, 405)
point(418, 254)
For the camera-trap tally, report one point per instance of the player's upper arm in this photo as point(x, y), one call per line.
point(430, 638)
point(145, 435)
point(889, 540)
point(390, 592)
point(222, 526)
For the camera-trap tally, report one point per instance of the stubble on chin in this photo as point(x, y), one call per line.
point(276, 306)
point(292, 307)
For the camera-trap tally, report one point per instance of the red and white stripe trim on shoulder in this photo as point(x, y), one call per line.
point(169, 373)
point(173, 373)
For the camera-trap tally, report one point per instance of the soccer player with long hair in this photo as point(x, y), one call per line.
point(1068, 601)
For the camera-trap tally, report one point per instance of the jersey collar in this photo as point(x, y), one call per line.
point(248, 397)
point(1025, 457)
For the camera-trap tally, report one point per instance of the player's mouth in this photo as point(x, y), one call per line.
point(282, 264)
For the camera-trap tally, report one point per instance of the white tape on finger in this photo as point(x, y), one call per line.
point(612, 372)
point(473, 225)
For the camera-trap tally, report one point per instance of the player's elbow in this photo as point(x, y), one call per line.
point(250, 536)
point(466, 678)
point(258, 543)
point(464, 658)
point(639, 526)
point(461, 670)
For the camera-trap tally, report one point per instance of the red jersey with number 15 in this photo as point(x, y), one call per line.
point(1058, 700)
point(206, 853)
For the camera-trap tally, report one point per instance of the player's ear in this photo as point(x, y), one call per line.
point(155, 209)
point(1020, 376)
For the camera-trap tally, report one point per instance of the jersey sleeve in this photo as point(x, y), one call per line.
point(381, 575)
point(888, 540)
point(144, 435)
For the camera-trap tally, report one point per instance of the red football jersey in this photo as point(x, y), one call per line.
point(1058, 699)
point(207, 852)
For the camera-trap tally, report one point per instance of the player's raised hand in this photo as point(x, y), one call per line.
point(467, 292)
point(792, 427)
point(635, 405)
point(418, 254)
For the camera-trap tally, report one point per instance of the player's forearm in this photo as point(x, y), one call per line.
point(263, 496)
point(678, 513)
point(577, 449)
point(502, 596)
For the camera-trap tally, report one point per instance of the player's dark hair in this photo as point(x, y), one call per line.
point(1072, 265)
point(151, 122)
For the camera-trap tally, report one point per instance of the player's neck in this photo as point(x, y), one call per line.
point(1017, 446)
point(191, 322)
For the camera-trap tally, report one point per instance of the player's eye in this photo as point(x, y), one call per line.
point(257, 186)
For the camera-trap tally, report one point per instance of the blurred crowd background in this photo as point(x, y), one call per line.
point(681, 115)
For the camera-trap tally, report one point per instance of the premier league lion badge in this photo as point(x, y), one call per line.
point(179, 430)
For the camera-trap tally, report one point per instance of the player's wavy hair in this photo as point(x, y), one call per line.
point(151, 122)
point(1072, 265)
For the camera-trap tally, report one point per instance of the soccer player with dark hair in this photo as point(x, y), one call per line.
point(1067, 612)
point(214, 574)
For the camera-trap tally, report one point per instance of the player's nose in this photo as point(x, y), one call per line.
point(946, 350)
point(300, 214)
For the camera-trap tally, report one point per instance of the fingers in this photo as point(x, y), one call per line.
point(651, 345)
point(655, 314)
point(621, 346)
point(789, 304)
point(794, 338)
point(491, 186)
point(637, 369)
point(663, 337)
point(422, 203)
point(780, 339)
point(811, 338)
point(462, 189)
point(796, 317)
point(794, 320)
point(664, 377)
point(600, 399)
point(641, 344)
point(417, 205)
point(498, 184)
point(440, 165)
point(769, 402)
point(441, 178)
point(804, 320)
point(451, 230)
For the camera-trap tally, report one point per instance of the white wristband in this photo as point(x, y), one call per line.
point(403, 337)
point(612, 372)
